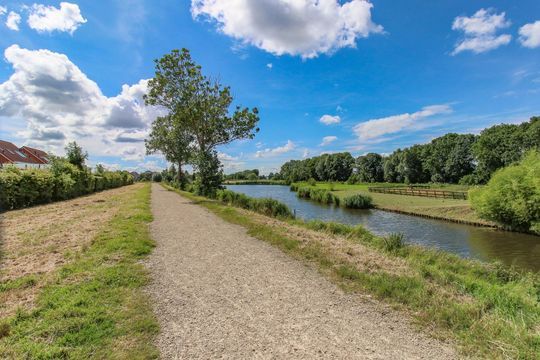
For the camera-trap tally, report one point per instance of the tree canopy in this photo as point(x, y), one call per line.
point(76, 155)
point(199, 117)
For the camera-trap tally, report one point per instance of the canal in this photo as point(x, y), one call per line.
point(521, 250)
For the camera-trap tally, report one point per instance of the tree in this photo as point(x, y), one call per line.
point(390, 166)
point(169, 136)
point(497, 147)
point(75, 155)
point(100, 169)
point(448, 158)
point(370, 168)
point(200, 108)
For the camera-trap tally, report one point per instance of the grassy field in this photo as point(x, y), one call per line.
point(487, 309)
point(71, 280)
point(450, 209)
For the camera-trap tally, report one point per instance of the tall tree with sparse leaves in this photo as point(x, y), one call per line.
point(201, 109)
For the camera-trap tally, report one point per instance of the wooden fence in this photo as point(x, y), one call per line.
point(420, 191)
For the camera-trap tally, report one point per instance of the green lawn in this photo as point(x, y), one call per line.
point(451, 209)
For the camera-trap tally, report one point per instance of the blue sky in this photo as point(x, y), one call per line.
point(326, 76)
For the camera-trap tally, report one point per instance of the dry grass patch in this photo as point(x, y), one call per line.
point(37, 241)
point(341, 249)
point(90, 303)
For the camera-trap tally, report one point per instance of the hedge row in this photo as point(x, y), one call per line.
point(22, 188)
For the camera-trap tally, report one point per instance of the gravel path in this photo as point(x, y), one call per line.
point(219, 293)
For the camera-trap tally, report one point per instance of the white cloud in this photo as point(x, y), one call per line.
point(60, 103)
point(269, 65)
point(3, 10)
point(480, 31)
point(230, 163)
point(305, 154)
point(329, 119)
point(226, 157)
point(375, 128)
point(276, 151)
point(132, 153)
point(296, 27)
point(148, 166)
point(44, 18)
point(13, 20)
point(529, 35)
point(327, 140)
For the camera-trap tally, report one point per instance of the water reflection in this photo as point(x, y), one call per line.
point(468, 241)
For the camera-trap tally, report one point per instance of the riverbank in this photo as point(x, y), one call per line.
point(71, 278)
point(490, 310)
point(454, 210)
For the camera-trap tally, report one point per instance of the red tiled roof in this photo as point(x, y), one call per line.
point(4, 159)
point(37, 154)
point(13, 154)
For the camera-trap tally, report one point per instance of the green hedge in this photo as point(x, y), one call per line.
point(22, 188)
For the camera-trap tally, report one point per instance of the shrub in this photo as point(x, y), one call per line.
point(319, 195)
point(470, 179)
point(358, 201)
point(312, 182)
point(157, 177)
point(265, 206)
point(512, 196)
point(353, 179)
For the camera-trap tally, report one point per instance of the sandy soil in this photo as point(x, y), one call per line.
point(219, 293)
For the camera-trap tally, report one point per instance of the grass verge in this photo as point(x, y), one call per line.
point(489, 310)
point(92, 307)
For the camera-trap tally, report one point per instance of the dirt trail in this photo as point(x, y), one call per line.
point(219, 293)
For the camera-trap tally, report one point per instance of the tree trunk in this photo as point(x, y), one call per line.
point(179, 171)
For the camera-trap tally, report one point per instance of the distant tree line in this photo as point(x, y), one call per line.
point(245, 175)
point(327, 167)
point(452, 158)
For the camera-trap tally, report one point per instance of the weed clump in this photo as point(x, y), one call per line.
point(358, 201)
point(322, 196)
point(265, 206)
point(393, 242)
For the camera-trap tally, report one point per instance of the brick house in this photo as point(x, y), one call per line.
point(23, 158)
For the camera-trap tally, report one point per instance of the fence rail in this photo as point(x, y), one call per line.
point(420, 191)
